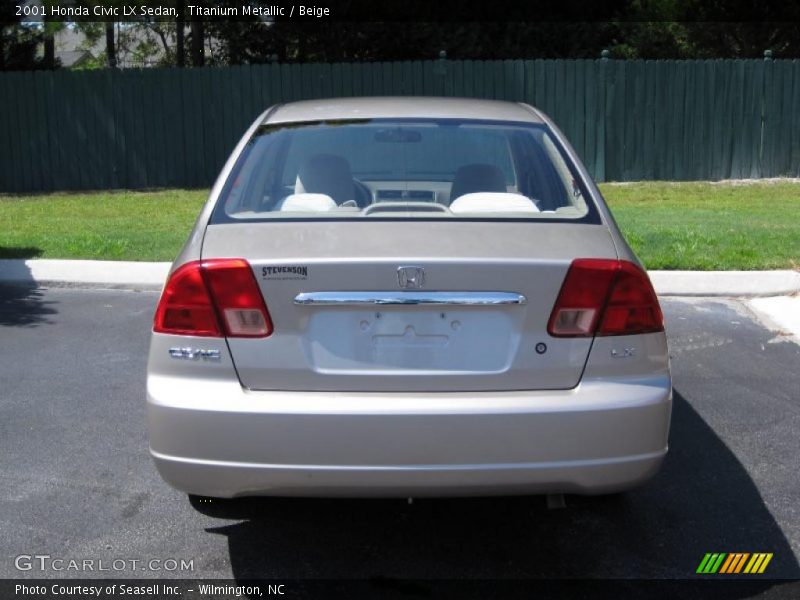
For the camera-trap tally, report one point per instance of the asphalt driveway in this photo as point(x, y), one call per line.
point(76, 480)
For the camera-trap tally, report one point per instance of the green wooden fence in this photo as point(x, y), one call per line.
point(629, 120)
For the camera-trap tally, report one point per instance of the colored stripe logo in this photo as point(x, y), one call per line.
point(734, 563)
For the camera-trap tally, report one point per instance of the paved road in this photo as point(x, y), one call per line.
point(76, 480)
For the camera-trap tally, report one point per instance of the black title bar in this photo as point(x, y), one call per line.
point(330, 11)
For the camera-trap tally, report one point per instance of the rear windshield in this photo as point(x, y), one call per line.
point(426, 168)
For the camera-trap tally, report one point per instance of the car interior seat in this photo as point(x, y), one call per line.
point(327, 174)
point(477, 177)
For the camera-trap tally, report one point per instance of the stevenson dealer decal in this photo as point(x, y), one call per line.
point(285, 272)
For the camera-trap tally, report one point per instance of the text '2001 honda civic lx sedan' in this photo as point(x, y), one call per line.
point(406, 297)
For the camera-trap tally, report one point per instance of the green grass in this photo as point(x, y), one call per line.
point(670, 225)
point(99, 225)
point(710, 226)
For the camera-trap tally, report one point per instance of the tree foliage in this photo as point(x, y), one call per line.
point(18, 43)
point(239, 43)
point(643, 29)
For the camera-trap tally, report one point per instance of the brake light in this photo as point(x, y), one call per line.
point(605, 297)
point(185, 307)
point(632, 306)
point(211, 297)
point(237, 297)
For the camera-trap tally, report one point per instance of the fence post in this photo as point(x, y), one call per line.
point(765, 167)
point(600, 151)
point(440, 69)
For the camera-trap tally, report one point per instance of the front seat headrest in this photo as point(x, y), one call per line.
point(326, 174)
point(477, 178)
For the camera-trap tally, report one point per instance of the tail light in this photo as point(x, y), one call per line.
point(212, 298)
point(605, 297)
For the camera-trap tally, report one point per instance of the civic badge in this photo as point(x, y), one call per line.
point(411, 277)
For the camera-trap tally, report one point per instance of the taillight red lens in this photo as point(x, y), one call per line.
point(185, 307)
point(632, 306)
point(207, 298)
point(237, 297)
point(582, 298)
point(605, 297)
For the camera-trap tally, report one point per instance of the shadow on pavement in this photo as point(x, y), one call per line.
point(21, 301)
point(19, 252)
point(701, 501)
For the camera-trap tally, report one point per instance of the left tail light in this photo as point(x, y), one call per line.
point(212, 298)
point(605, 297)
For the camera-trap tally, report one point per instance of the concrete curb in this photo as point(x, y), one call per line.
point(97, 274)
point(151, 276)
point(726, 283)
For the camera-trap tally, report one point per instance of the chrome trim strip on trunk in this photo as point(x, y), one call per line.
point(384, 298)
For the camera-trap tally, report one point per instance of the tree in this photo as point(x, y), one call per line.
point(140, 43)
point(709, 29)
point(650, 29)
point(111, 47)
point(255, 42)
point(180, 30)
point(198, 44)
point(18, 42)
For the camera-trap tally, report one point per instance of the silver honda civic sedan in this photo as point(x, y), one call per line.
point(406, 297)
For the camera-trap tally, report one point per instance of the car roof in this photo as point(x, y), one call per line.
point(402, 107)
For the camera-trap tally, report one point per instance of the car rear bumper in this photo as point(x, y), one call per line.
point(214, 438)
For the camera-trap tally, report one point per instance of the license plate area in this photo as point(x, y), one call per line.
point(411, 339)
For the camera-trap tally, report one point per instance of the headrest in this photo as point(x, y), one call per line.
point(492, 202)
point(307, 203)
point(477, 178)
point(326, 174)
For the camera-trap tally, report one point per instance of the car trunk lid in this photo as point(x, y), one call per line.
point(409, 305)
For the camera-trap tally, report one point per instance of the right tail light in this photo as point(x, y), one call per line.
point(605, 297)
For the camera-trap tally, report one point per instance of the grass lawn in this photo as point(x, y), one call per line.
point(710, 226)
point(99, 225)
point(670, 225)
